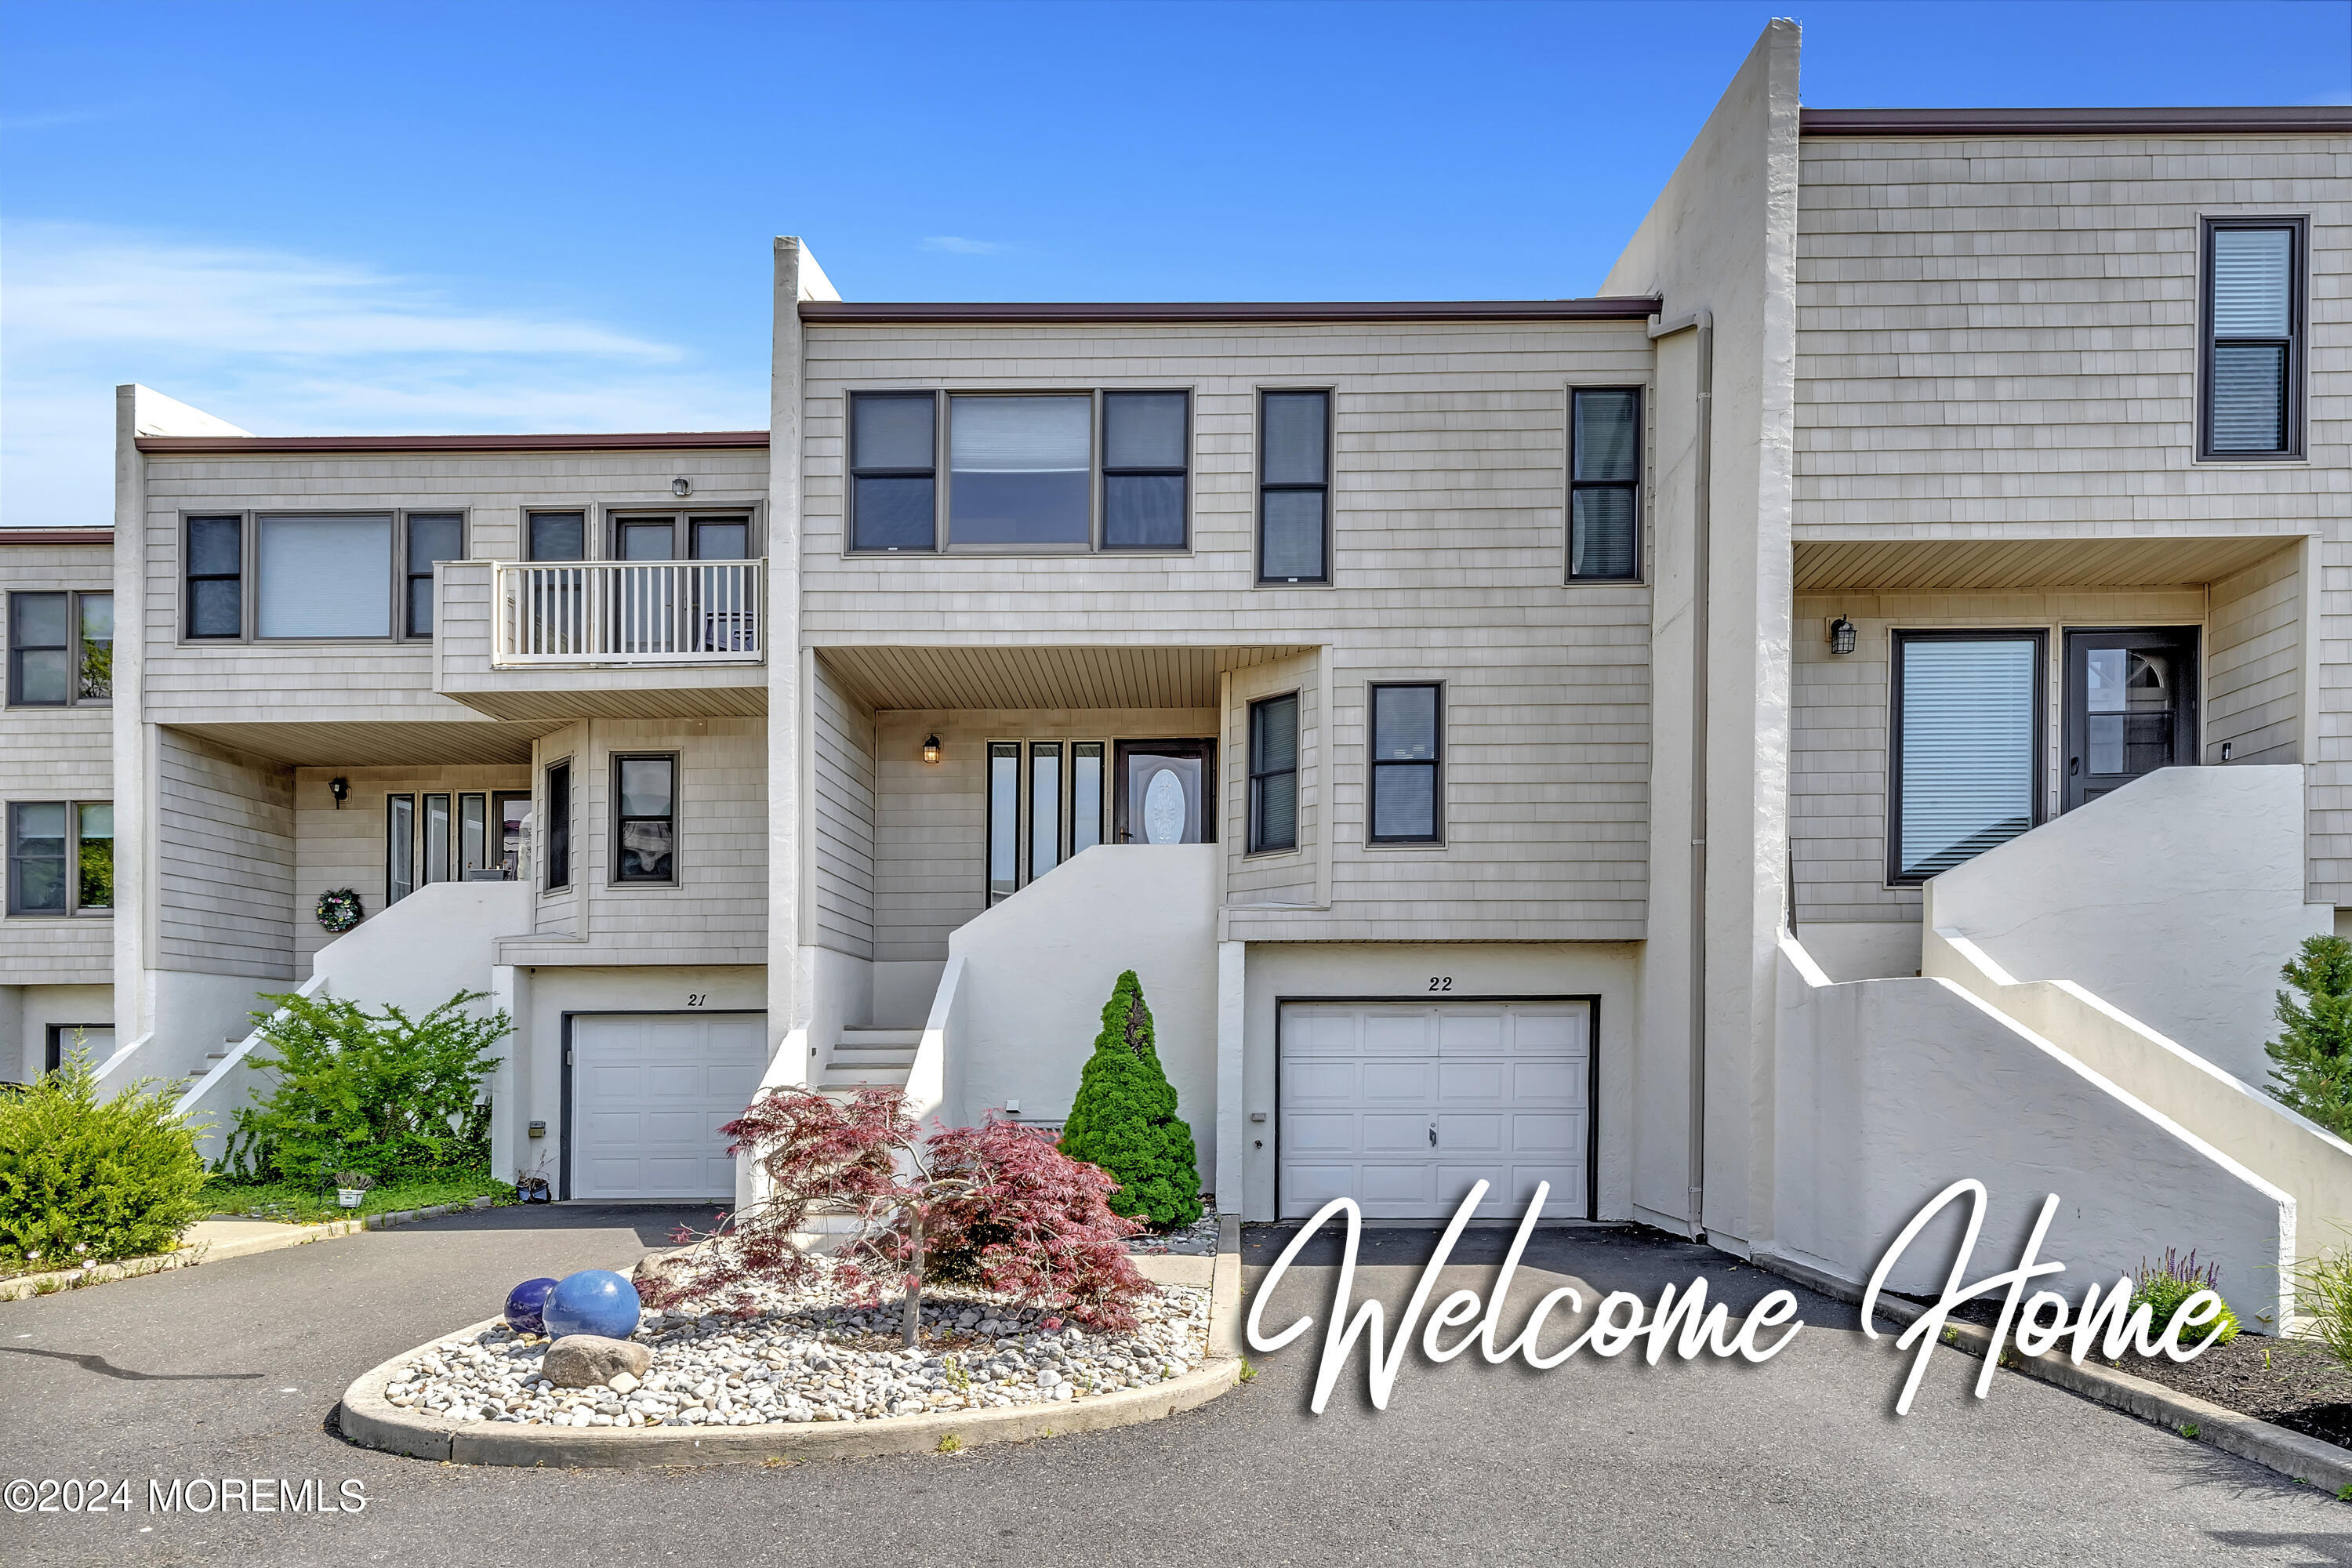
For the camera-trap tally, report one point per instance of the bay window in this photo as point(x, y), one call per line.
point(1274, 774)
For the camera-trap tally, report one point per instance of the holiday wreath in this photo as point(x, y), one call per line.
point(339, 911)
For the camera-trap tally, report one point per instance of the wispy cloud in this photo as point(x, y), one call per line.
point(956, 244)
point(56, 119)
point(286, 343)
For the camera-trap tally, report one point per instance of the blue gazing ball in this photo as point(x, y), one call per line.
point(525, 1302)
point(593, 1301)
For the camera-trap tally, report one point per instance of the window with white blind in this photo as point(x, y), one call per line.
point(1966, 747)
point(339, 576)
point(323, 576)
point(2250, 401)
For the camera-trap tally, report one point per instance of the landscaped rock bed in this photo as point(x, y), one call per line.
point(805, 1356)
point(1198, 1239)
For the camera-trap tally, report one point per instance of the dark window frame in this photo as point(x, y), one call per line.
point(1258, 775)
point(189, 578)
point(530, 541)
point(1640, 466)
point(1330, 465)
point(248, 577)
point(2297, 342)
point(555, 834)
point(70, 863)
point(409, 575)
point(400, 880)
point(1902, 636)
point(75, 647)
point(1435, 765)
point(1105, 471)
point(860, 471)
point(991, 754)
point(677, 776)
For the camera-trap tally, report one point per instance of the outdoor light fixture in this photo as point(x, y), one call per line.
point(1842, 636)
point(340, 788)
point(681, 486)
point(930, 748)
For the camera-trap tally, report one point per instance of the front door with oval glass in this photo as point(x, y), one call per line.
point(1164, 790)
point(2131, 708)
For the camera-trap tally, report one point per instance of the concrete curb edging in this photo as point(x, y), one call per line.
point(25, 1285)
point(2292, 1454)
point(369, 1419)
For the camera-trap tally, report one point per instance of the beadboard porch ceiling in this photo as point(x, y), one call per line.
point(1950, 565)
point(419, 745)
point(902, 678)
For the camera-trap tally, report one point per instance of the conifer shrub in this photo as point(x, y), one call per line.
point(2312, 1058)
point(85, 1180)
point(1124, 1118)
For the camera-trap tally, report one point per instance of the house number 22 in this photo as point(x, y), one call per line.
point(1440, 982)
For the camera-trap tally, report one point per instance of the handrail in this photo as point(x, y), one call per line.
point(627, 612)
point(222, 1069)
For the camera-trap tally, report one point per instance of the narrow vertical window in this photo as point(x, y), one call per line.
point(94, 659)
point(1605, 490)
point(216, 574)
point(1407, 752)
point(473, 835)
point(437, 839)
point(1086, 794)
point(1294, 487)
point(559, 536)
point(399, 848)
point(1004, 819)
point(38, 831)
point(94, 856)
point(1967, 746)
point(432, 538)
point(39, 656)
point(1044, 807)
point(1146, 436)
point(1274, 774)
point(645, 793)
point(2253, 311)
point(893, 469)
point(558, 852)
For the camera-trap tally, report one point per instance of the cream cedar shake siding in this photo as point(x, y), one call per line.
point(54, 970)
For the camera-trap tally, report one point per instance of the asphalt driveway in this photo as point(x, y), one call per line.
point(232, 1369)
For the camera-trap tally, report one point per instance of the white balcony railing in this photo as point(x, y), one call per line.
point(628, 612)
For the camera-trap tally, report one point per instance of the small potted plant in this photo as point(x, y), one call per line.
point(352, 1187)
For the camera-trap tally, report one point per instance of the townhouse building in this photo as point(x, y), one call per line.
point(1849, 706)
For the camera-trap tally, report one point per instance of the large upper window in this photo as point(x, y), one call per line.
point(1047, 471)
point(316, 575)
point(60, 648)
point(1294, 502)
point(1274, 774)
point(1967, 727)
point(644, 826)
point(60, 858)
point(2251, 392)
point(1408, 750)
point(1605, 490)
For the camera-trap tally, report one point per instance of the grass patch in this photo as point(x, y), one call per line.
point(300, 1204)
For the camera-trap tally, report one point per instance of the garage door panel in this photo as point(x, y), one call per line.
point(1504, 1085)
point(649, 1096)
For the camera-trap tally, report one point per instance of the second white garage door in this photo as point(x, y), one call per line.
point(1403, 1107)
point(649, 1093)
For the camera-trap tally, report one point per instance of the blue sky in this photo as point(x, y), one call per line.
point(314, 219)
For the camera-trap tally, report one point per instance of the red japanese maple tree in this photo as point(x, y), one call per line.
point(997, 1206)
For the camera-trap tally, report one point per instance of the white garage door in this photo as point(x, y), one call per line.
point(649, 1093)
point(1403, 1107)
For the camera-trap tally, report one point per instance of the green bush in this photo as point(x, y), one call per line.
point(2164, 1286)
point(2322, 1299)
point(384, 1093)
point(2312, 1058)
point(84, 1180)
point(1125, 1119)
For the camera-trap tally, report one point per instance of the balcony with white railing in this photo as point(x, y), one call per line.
point(521, 639)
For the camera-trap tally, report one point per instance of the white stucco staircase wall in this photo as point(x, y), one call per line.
point(1889, 1090)
point(1037, 968)
point(2174, 899)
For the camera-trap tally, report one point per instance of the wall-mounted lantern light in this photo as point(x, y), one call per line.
point(930, 748)
point(681, 486)
point(340, 788)
point(1842, 636)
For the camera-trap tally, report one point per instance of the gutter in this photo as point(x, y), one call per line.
point(1701, 551)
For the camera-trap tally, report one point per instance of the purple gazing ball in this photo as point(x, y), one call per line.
point(593, 1301)
point(525, 1303)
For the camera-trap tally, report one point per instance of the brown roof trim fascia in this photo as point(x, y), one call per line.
point(652, 441)
point(836, 312)
point(56, 536)
point(2279, 119)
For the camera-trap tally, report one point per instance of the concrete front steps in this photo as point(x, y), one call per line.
point(865, 1058)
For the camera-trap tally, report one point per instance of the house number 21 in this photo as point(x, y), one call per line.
point(697, 998)
point(1440, 982)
